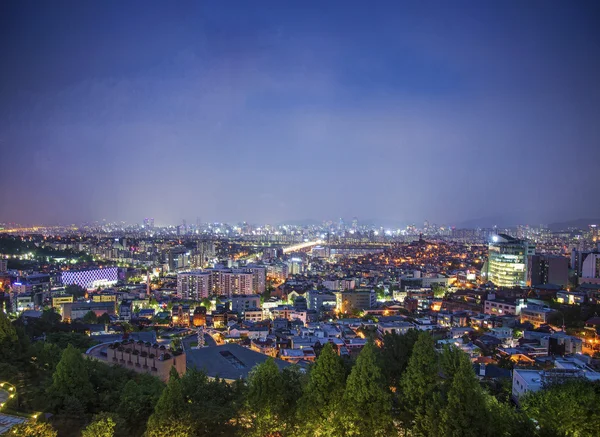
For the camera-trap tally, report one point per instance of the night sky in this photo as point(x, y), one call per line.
point(268, 111)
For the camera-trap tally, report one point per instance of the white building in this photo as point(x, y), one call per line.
point(526, 380)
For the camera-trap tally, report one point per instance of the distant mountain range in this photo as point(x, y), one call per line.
point(577, 223)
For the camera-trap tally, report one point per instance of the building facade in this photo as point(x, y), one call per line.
point(91, 278)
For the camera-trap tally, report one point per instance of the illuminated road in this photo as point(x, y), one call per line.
point(301, 246)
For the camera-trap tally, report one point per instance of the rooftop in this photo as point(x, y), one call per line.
point(229, 361)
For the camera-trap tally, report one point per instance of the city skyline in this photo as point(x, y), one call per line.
point(271, 112)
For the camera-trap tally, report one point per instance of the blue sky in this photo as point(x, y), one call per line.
point(267, 111)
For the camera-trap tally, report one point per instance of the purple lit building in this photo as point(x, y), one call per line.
point(91, 278)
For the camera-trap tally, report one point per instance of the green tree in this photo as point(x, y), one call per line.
point(76, 290)
point(213, 404)
point(294, 381)
point(170, 415)
point(419, 384)
point(322, 396)
point(566, 409)
point(465, 411)
point(438, 290)
point(451, 359)
point(395, 353)
point(63, 339)
point(34, 429)
point(103, 425)
point(8, 334)
point(137, 402)
point(506, 421)
point(71, 381)
point(367, 402)
point(90, 317)
point(104, 319)
point(265, 399)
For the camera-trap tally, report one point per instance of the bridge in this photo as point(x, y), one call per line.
point(301, 246)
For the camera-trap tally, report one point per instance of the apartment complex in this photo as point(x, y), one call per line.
point(200, 284)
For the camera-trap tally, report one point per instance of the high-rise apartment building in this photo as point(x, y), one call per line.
point(194, 285)
point(507, 261)
point(205, 251)
point(259, 277)
point(547, 269)
point(200, 284)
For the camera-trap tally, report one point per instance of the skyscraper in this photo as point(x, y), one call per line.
point(507, 261)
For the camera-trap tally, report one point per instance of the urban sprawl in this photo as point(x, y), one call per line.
point(260, 312)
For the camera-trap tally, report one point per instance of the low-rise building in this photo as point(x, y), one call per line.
point(296, 355)
point(199, 317)
point(320, 300)
point(141, 357)
point(240, 303)
point(264, 346)
point(76, 310)
point(125, 310)
point(253, 315)
point(494, 306)
point(349, 301)
point(180, 315)
point(58, 300)
point(104, 297)
point(394, 328)
point(570, 297)
point(526, 380)
point(535, 314)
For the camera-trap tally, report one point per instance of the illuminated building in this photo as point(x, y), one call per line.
point(590, 268)
point(199, 318)
point(91, 278)
point(58, 300)
point(194, 285)
point(259, 277)
point(104, 297)
point(535, 314)
point(219, 282)
point(181, 315)
point(347, 301)
point(319, 299)
point(507, 261)
point(76, 310)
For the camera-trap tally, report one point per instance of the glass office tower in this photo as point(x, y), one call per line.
point(507, 261)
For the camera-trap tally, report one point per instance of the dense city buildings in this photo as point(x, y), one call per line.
point(244, 299)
